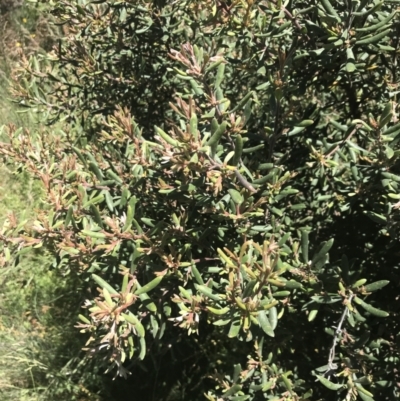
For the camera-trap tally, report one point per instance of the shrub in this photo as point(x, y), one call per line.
point(227, 179)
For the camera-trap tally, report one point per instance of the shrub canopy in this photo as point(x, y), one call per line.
point(228, 178)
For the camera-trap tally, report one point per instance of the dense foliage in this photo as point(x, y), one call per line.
point(228, 178)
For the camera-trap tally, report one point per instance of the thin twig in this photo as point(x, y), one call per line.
point(341, 143)
point(293, 19)
point(331, 365)
point(239, 176)
point(244, 182)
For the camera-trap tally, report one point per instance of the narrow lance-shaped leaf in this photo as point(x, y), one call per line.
point(225, 258)
point(236, 196)
point(377, 285)
point(84, 319)
point(237, 370)
point(111, 174)
point(242, 102)
point(142, 343)
point(93, 166)
point(273, 317)
point(233, 390)
point(166, 137)
point(287, 382)
point(128, 219)
point(359, 283)
point(326, 4)
point(326, 246)
point(215, 138)
point(369, 308)
point(350, 64)
point(234, 329)
point(146, 300)
point(149, 286)
point(107, 297)
point(328, 384)
point(196, 274)
point(364, 391)
point(193, 126)
point(377, 218)
point(132, 319)
point(313, 313)
point(304, 245)
point(375, 27)
point(103, 284)
point(125, 281)
point(238, 150)
point(220, 75)
point(373, 39)
point(207, 292)
point(68, 216)
point(386, 115)
point(216, 311)
point(265, 324)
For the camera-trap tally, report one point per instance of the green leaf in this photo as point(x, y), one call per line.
point(149, 286)
point(367, 40)
point(304, 245)
point(215, 138)
point(369, 308)
point(375, 27)
point(132, 319)
point(273, 317)
point(242, 102)
point(313, 313)
point(236, 196)
point(329, 9)
point(293, 285)
point(375, 217)
point(217, 311)
point(287, 383)
point(364, 394)
point(233, 390)
point(84, 319)
point(196, 274)
point(377, 285)
point(359, 283)
point(322, 253)
point(193, 126)
point(166, 137)
point(305, 123)
point(207, 292)
point(220, 73)
point(350, 64)
point(238, 150)
point(234, 329)
point(93, 234)
point(146, 301)
point(68, 216)
point(107, 298)
point(265, 323)
point(386, 115)
point(103, 284)
point(142, 343)
point(328, 384)
point(125, 281)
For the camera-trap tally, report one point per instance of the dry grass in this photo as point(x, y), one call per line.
point(39, 346)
